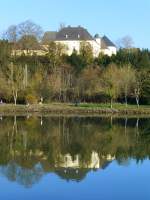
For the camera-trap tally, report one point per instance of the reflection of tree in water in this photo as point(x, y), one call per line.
point(24, 142)
point(23, 176)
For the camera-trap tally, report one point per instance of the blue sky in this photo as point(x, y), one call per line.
point(114, 18)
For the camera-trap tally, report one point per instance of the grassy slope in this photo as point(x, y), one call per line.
point(84, 108)
point(115, 106)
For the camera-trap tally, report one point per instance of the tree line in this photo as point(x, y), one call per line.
point(54, 76)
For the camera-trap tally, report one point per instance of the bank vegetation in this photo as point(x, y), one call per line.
point(30, 78)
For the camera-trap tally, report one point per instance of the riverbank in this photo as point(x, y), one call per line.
point(81, 109)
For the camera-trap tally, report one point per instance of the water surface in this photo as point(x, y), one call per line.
point(74, 158)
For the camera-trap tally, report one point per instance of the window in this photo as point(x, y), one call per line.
point(66, 36)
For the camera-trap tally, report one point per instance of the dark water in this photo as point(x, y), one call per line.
point(74, 158)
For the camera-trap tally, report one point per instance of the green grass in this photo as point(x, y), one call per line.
point(82, 108)
point(115, 106)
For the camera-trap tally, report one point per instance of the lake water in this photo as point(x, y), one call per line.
point(72, 158)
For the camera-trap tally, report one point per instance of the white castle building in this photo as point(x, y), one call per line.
point(66, 161)
point(72, 37)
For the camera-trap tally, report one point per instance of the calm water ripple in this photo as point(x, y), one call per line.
point(74, 158)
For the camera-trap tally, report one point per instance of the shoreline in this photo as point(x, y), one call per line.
point(68, 109)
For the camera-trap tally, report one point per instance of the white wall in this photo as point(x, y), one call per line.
point(96, 46)
point(109, 51)
point(71, 45)
point(76, 45)
point(95, 163)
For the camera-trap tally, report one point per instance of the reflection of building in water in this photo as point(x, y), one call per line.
point(95, 163)
point(66, 167)
point(75, 169)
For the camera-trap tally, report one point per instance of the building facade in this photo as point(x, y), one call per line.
point(72, 37)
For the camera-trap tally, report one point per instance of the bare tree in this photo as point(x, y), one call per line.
point(11, 34)
point(127, 80)
point(15, 32)
point(30, 28)
point(28, 42)
point(138, 88)
point(111, 82)
point(15, 77)
point(125, 42)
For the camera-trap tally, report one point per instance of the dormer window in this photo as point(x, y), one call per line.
point(66, 36)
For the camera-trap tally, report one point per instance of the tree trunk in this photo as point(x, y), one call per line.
point(15, 97)
point(137, 96)
point(137, 101)
point(125, 125)
point(137, 126)
point(126, 100)
point(15, 101)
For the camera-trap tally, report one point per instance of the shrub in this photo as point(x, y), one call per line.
point(31, 99)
